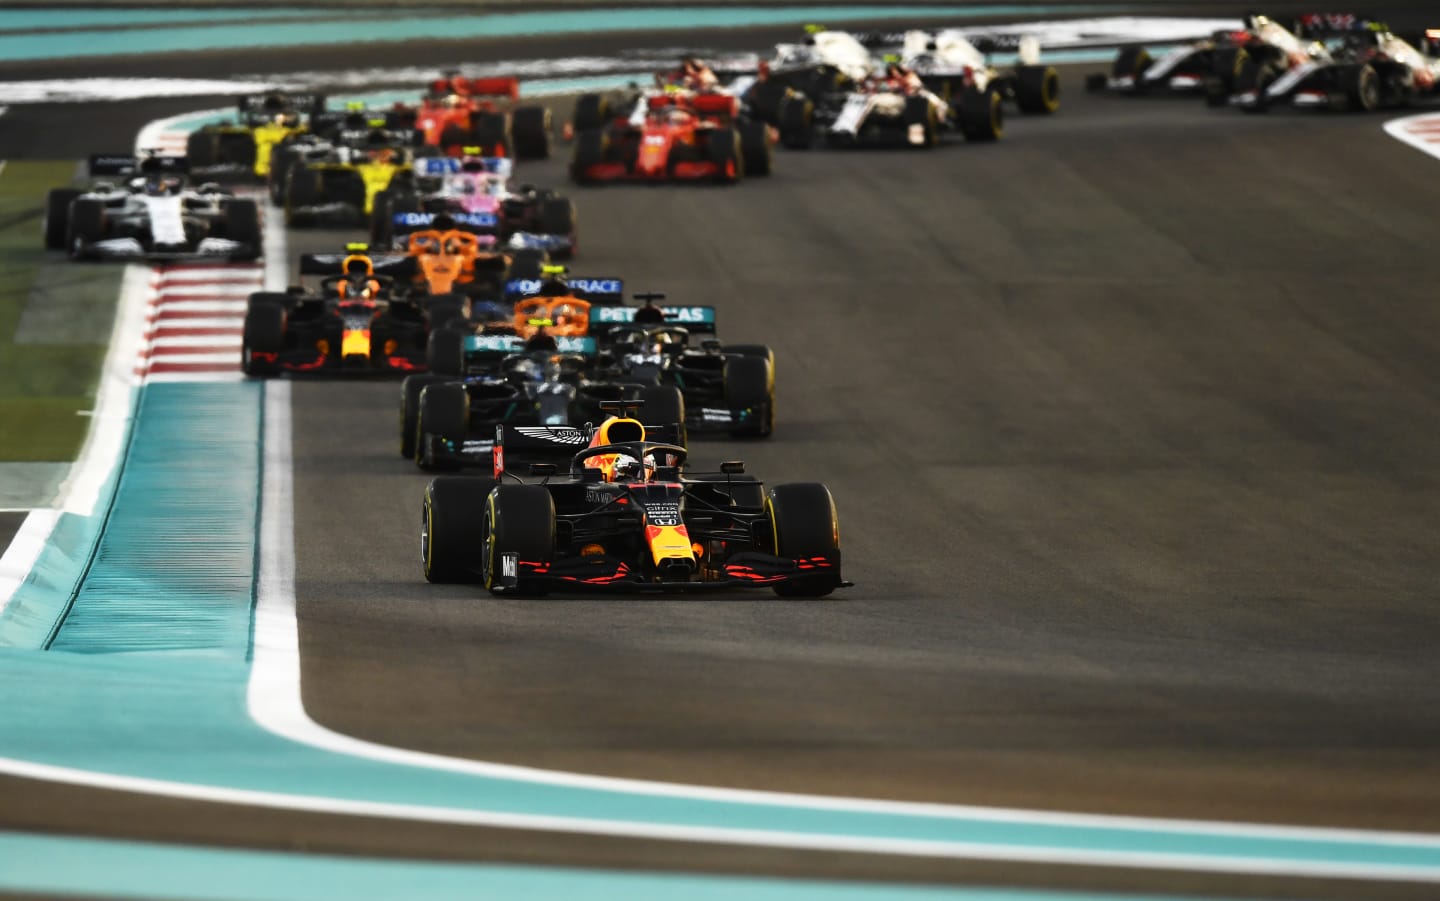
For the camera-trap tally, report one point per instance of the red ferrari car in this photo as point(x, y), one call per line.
point(674, 136)
point(461, 112)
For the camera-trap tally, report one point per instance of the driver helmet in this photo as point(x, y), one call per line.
point(628, 469)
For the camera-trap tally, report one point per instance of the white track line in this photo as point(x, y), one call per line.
point(1421, 132)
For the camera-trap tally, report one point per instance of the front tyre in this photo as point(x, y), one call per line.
point(519, 520)
point(805, 528)
point(452, 529)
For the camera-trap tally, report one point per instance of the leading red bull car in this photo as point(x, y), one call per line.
point(628, 516)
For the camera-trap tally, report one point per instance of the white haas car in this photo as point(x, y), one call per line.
point(152, 216)
point(950, 62)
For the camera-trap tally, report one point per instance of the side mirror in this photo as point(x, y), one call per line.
point(732, 467)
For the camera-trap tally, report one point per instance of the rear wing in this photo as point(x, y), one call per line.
point(475, 223)
point(113, 164)
point(1316, 25)
point(476, 87)
point(494, 347)
point(596, 290)
point(437, 166)
point(395, 265)
point(282, 102)
point(698, 320)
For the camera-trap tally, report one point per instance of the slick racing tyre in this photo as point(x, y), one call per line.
point(591, 112)
point(304, 187)
point(528, 262)
point(922, 129)
point(491, 132)
point(452, 528)
point(557, 217)
point(755, 146)
point(750, 384)
point(1132, 62)
point(1361, 86)
point(723, 149)
point(766, 99)
point(1224, 73)
point(241, 220)
point(1037, 89)
point(57, 216)
point(590, 146)
point(804, 526)
point(410, 408)
point(85, 226)
point(444, 414)
point(1255, 77)
point(982, 118)
point(664, 405)
point(530, 128)
point(264, 333)
point(382, 220)
point(202, 148)
point(520, 520)
point(445, 352)
point(797, 122)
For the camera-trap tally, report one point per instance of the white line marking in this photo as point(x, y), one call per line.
point(24, 550)
point(1417, 131)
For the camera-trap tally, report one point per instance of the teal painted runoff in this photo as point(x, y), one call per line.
point(124, 869)
point(365, 25)
point(27, 19)
point(176, 710)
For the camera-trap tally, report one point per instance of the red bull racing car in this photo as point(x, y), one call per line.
point(628, 516)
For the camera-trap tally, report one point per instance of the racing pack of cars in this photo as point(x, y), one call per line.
point(559, 407)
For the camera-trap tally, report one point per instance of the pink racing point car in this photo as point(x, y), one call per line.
point(473, 193)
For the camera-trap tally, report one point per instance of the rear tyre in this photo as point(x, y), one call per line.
point(750, 384)
point(664, 405)
point(797, 115)
point(724, 151)
point(766, 101)
point(85, 226)
point(452, 530)
point(445, 352)
point(982, 118)
point(201, 149)
point(557, 217)
point(410, 409)
point(527, 263)
point(491, 131)
point(1037, 89)
point(1361, 85)
point(519, 519)
point(263, 337)
point(1255, 77)
point(382, 221)
point(591, 112)
point(1132, 62)
point(755, 146)
point(919, 115)
point(57, 216)
point(805, 528)
point(589, 151)
point(443, 415)
point(530, 128)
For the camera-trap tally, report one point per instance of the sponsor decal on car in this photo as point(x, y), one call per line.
point(684, 315)
point(478, 220)
point(663, 513)
point(550, 433)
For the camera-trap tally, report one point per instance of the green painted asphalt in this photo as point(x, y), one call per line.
point(363, 26)
point(120, 869)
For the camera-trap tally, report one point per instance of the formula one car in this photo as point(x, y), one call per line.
point(354, 323)
point(453, 421)
point(669, 136)
point(728, 388)
point(1354, 64)
point(475, 192)
point(1214, 66)
point(242, 147)
point(339, 184)
point(153, 216)
point(448, 260)
point(483, 112)
point(627, 516)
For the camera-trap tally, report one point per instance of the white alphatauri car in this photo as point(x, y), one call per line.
point(150, 214)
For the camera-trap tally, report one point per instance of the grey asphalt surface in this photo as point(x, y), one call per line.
point(1130, 420)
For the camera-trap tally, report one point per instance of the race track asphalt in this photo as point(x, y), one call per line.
point(1130, 420)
